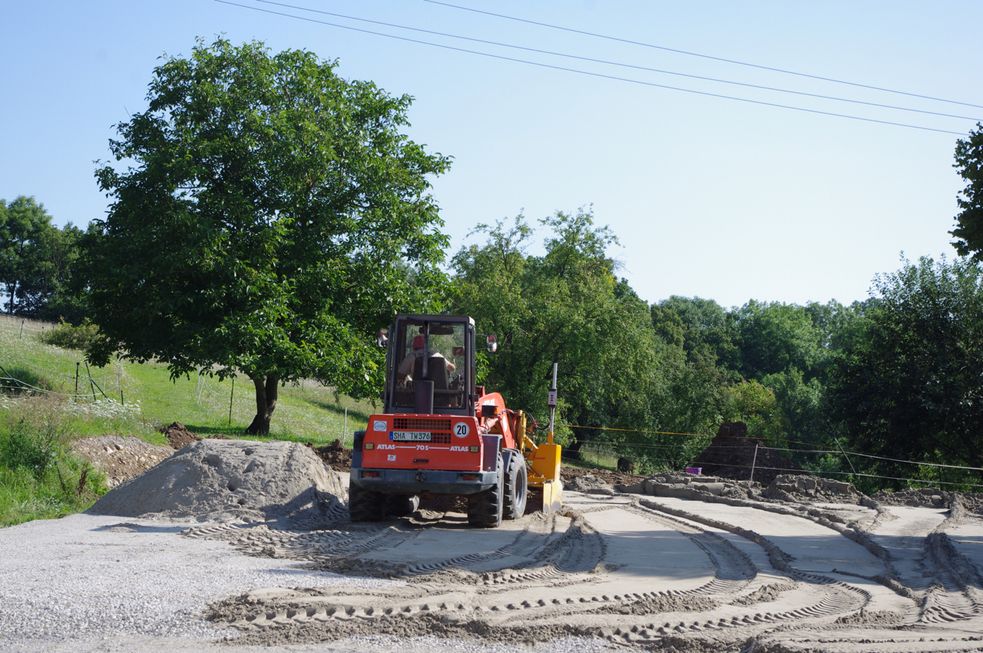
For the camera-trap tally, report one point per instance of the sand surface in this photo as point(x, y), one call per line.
point(610, 572)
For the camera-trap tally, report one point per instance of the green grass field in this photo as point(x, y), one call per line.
point(305, 411)
point(39, 476)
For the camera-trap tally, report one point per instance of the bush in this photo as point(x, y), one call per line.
point(25, 447)
point(70, 336)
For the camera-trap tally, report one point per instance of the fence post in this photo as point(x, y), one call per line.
point(754, 461)
point(92, 385)
point(231, 395)
point(76, 396)
point(345, 431)
point(22, 328)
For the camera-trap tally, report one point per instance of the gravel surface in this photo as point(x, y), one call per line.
point(699, 565)
point(106, 579)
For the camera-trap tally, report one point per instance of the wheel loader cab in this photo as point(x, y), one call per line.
point(430, 366)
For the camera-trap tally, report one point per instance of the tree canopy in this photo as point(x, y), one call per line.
point(37, 260)
point(907, 383)
point(267, 217)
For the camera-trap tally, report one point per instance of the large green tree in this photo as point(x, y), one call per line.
point(969, 221)
point(567, 305)
point(267, 217)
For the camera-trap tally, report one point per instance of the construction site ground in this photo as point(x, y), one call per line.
point(673, 563)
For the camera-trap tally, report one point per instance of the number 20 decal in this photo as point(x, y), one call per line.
point(462, 430)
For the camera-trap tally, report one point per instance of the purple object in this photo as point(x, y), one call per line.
point(696, 471)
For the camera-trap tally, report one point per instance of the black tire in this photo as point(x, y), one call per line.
point(516, 486)
point(365, 505)
point(485, 509)
point(399, 505)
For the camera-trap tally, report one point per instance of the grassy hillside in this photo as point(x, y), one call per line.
point(40, 477)
point(306, 411)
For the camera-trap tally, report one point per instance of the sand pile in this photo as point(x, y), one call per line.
point(120, 458)
point(229, 479)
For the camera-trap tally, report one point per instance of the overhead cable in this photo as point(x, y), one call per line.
point(701, 55)
point(621, 64)
point(596, 74)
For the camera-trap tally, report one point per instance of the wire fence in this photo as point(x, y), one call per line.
point(111, 392)
point(20, 327)
point(837, 456)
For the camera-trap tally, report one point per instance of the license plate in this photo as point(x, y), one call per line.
point(411, 436)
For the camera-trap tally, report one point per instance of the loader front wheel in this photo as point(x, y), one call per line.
point(485, 509)
point(365, 505)
point(516, 486)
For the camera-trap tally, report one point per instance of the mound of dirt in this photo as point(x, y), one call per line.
point(179, 436)
point(335, 456)
point(569, 475)
point(799, 487)
point(230, 479)
point(120, 458)
point(589, 483)
point(926, 497)
point(685, 486)
point(731, 454)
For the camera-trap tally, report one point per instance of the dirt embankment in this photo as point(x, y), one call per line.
point(120, 458)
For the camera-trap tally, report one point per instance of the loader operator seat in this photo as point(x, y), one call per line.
point(436, 372)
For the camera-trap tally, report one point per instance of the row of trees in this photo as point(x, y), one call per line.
point(269, 216)
point(899, 375)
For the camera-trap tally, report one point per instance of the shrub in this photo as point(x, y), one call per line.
point(39, 475)
point(70, 336)
point(26, 447)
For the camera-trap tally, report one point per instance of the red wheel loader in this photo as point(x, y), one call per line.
point(441, 434)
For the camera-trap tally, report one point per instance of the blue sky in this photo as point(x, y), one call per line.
point(709, 197)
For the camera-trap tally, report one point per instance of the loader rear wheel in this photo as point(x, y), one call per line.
point(365, 505)
point(485, 509)
point(516, 486)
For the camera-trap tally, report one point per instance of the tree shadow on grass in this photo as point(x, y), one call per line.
point(212, 431)
point(338, 410)
point(17, 380)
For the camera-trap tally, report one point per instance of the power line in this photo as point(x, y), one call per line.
point(701, 55)
point(621, 64)
point(595, 74)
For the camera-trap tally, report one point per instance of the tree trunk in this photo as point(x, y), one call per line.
point(266, 394)
point(12, 289)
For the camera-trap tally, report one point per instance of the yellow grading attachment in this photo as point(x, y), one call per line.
point(546, 489)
